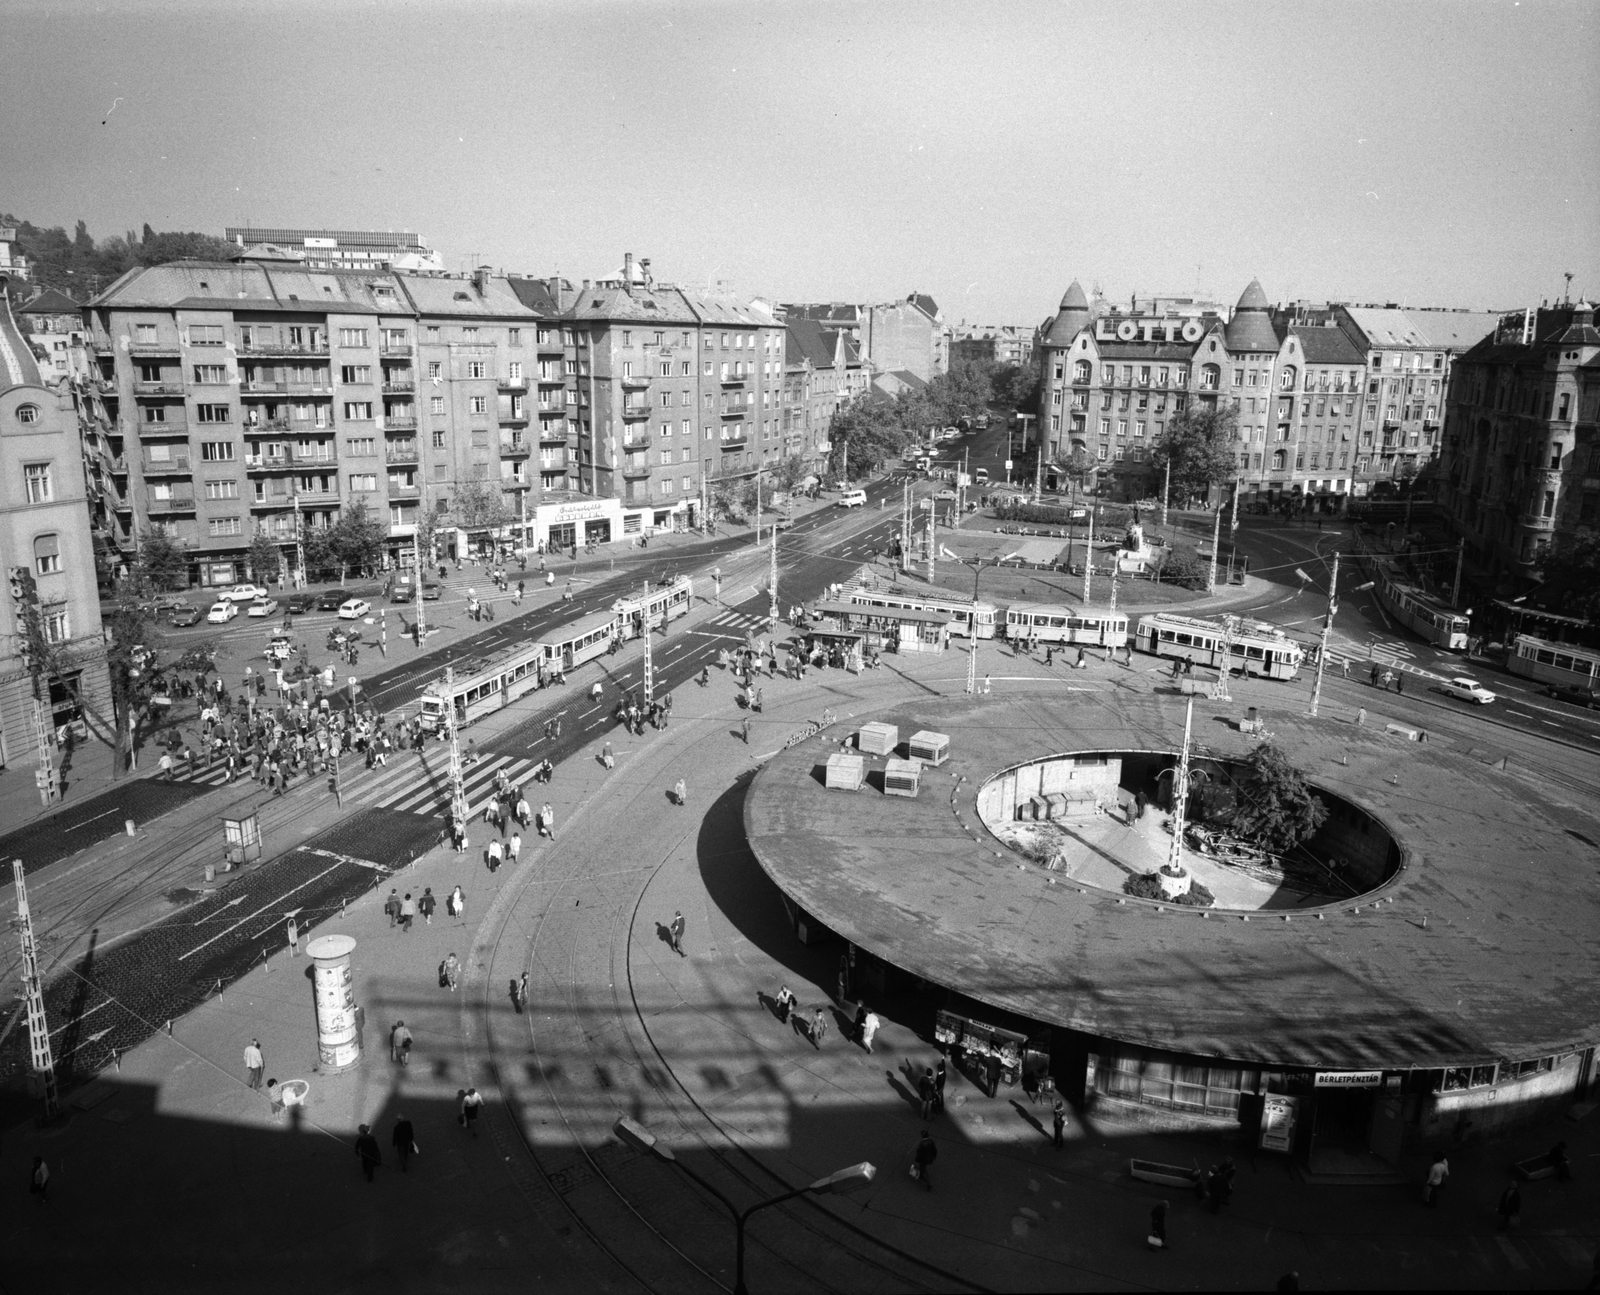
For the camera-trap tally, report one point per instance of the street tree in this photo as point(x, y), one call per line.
point(1199, 443)
point(1571, 571)
point(1016, 386)
point(356, 539)
point(161, 565)
point(1075, 465)
point(266, 558)
point(1273, 807)
point(478, 506)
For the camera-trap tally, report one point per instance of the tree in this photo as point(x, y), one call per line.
point(266, 558)
point(478, 506)
point(1016, 385)
point(1273, 807)
point(1075, 464)
point(868, 431)
point(126, 628)
point(321, 561)
point(1200, 444)
point(964, 392)
point(161, 564)
point(356, 539)
point(1571, 570)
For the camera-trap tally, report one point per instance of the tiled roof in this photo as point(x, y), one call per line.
point(1253, 298)
point(52, 301)
point(1327, 346)
point(17, 365)
point(642, 305)
point(1251, 327)
point(1453, 330)
point(454, 296)
point(535, 294)
point(926, 304)
point(806, 339)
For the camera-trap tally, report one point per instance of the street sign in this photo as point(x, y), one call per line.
point(1278, 1116)
point(1008, 465)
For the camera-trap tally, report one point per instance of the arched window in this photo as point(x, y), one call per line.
point(1209, 377)
point(1278, 460)
point(1286, 378)
point(1081, 371)
point(47, 554)
point(27, 413)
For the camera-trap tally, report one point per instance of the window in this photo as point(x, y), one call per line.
point(1238, 377)
point(361, 482)
point(479, 404)
point(356, 336)
point(220, 526)
point(1286, 379)
point(1279, 457)
point(357, 410)
point(475, 368)
point(438, 441)
point(211, 413)
point(216, 451)
point(47, 554)
point(218, 489)
point(211, 373)
point(205, 335)
point(27, 413)
point(1081, 371)
point(361, 446)
point(144, 334)
point(36, 477)
point(355, 373)
point(436, 405)
point(515, 371)
point(514, 336)
point(1209, 377)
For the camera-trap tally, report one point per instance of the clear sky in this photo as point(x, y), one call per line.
point(1431, 153)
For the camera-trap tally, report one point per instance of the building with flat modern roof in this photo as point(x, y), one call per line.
point(342, 249)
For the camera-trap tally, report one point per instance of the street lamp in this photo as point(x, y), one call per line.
point(972, 657)
point(635, 1135)
point(1327, 624)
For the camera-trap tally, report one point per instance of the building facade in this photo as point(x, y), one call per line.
point(1520, 466)
point(823, 372)
point(53, 323)
point(52, 618)
point(1008, 344)
point(343, 249)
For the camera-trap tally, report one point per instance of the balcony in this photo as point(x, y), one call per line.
point(398, 491)
point(552, 434)
point(634, 470)
point(117, 463)
point(172, 427)
point(399, 422)
point(284, 500)
point(734, 411)
point(737, 441)
point(288, 458)
point(513, 416)
point(321, 386)
point(552, 380)
point(513, 384)
point(395, 350)
point(733, 380)
point(262, 425)
point(402, 452)
point(279, 348)
point(514, 446)
point(149, 388)
point(177, 466)
point(256, 387)
point(637, 411)
point(398, 386)
point(634, 381)
point(173, 504)
point(155, 348)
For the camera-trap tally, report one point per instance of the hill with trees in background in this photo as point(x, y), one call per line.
point(81, 267)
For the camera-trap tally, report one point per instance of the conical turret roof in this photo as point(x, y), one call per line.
point(1251, 328)
point(1073, 318)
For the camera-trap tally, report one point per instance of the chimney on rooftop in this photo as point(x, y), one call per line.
point(480, 280)
point(644, 270)
point(627, 271)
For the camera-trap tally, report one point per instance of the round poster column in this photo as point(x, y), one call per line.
point(338, 1043)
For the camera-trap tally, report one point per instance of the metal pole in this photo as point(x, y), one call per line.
point(1216, 540)
point(1166, 490)
point(1116, 566)
point(1180, 791)
point(299, 543)
point(48, 785)
point(905, 527)
point(416, 575)
point(1220, 691)
point(1327, 630)
point(758, 509)
point(458, 788)
point(972, 656)
point(38, 1028)
point(930, 546)
point(1088, 559)
point(1461, 556)
point(649, 657)
point(773, 579)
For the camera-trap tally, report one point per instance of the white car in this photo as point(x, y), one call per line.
point(222, 611)
point(1467, 690)
point(263, 606)
point(352, 608)
point(245, 593)
point(946, 496)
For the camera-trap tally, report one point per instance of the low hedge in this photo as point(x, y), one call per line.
point(1147, 885)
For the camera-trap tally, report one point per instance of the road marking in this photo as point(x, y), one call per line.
point(95, 819)
point(1510, 1252)
point(255, 914)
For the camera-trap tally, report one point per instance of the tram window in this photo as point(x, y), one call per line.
point(1185, 640)
point(1482, 1075)
point(1189, 1087)
point(1544, 657)
point(1058, 622)
point(1563, 662)
point(1255, 653)
point(1457, 1077)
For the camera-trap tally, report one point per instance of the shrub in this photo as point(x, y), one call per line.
point(1147, 885)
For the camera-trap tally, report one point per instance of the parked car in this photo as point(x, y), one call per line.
point(980, 476)
point(982, 422)
point(1467, 690)
point(353, 609)
point(185, 616)
point(1576, 696)
point(331, 601)
point(300, 604)
point(244, 593)
point(946, 495)
point(263, 607)
point(222, 611)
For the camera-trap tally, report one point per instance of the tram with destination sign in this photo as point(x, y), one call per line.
point(1257, 648)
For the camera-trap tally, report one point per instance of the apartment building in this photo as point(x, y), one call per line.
point(48, 556)
point(823, 372)
point(342, 249)
point(53, 323)
point(909, 335)
point(1520, 464)
point(1009, 344)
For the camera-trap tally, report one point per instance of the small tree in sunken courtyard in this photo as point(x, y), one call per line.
point(1273, 807)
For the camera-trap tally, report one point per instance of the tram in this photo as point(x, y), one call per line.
point(1421, 613)
point(569, 646)
point(484, 686)
point(655, 607)
point(1563, 664)
point(1049, 623)
point(1257, 648)
point(967, 617)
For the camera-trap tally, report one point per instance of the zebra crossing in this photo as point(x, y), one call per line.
point(736, 620)
point(421, 784)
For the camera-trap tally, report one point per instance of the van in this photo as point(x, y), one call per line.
point(980, 476)
point(853, 499)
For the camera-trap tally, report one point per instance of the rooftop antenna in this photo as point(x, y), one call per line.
point(1568, 298)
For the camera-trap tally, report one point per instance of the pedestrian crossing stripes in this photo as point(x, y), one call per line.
point(736, 619)
point(421, 785)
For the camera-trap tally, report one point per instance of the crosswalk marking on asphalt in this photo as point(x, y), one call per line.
point(415, 787)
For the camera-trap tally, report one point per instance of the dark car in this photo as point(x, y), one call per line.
point(407, 593)
point(1577, 696)
point(300, 604)
point(184, 616)
point(331, 601)
point(432, 593)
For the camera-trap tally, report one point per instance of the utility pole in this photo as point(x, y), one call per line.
point(1461, 556)
point(1116, 566)
point(49, 784)
point(972, 656)
point(772, 581)
point(1088, 559)
point(44, 1068)
point(1180, 791)
point(416, 574)
point(905, 527)
point(458, 787)
point(930, 545)
point(299, 544)
point(1216, 540)
point(1230, 625)
point(1166, 490)
point(1327, 630)
point(758, 508)
point(649, 656)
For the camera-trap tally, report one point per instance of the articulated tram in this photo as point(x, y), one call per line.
point(1049, 623)
point(1257, 648)
point(480, 686)
point(1563, 665)
point(1421, 613)
point(974, 619)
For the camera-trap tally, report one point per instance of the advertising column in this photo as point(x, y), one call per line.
point(338, 1042)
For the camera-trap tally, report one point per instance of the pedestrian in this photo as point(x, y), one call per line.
point(494, 854)
point(819, 1029)
point(1219, 1184)
point(1438, 1176)
point(1140, 800)
point(404, 1140)
point(450, 970)
point(922, 1160)
point(549, 816)
point(1158, 1226)
point(925, 1091)
point(784, 1002)
point(275, 1098)
point(39, 1179)
point(458, 903)
point(522, 990)
point(408, 912)
point(400, 1044)
point(939, 1077)
point(1058, 1120)
point(1558, 1161)
point(254, 1063)
point(608, 757)
point(369, 1151)
point(1399, 682)
point(1510, 1207)
point(680, 792)
point(514, 847)
point(675, 929)
point(1375, 676)
point(471, 1104)
point(391, 906)
point(293, 932)
point(425, 906)
point(1361, 716)
point(744, 729)
point(869, 1029)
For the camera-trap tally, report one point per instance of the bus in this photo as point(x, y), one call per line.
point(568, 646)
point(966, 616)
point(1563, 665)
point(658, 606)
point(482, 686)
point(1049, 623)
point(1258, 648)
point(1419, 612)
